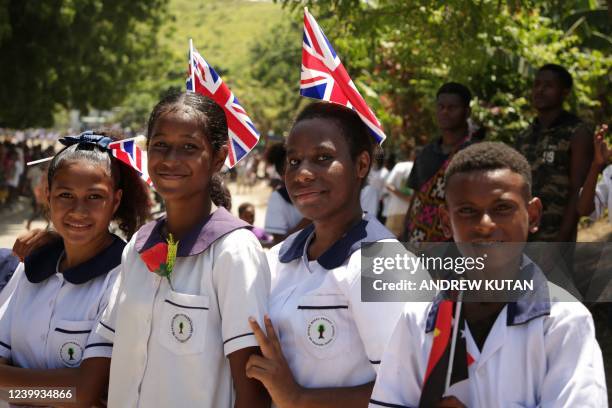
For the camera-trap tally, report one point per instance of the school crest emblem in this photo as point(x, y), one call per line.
point(321, 331)
point(182, 327)
point(71, 354)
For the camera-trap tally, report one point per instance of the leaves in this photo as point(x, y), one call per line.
point(78, 54)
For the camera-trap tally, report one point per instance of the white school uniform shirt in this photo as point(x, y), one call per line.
point(540, 352)
point(603, 195)
point(397, 177)
point(281, 215)
point(48, 320)
point(171, 345)
point(328, 336)
point(369, 199)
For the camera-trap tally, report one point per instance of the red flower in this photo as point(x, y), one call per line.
point(155, 256)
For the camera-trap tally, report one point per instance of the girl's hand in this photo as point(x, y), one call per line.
point(271, 367)
point(31, 240)
point(603, 154)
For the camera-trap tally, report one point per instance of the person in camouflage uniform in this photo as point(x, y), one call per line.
point(558, 147)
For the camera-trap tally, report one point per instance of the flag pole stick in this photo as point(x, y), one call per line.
point(451, 359)
point(31, 163)
point(193, 87)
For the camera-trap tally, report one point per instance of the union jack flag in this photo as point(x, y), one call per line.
point(324, 77)
point(203, 79)
point(129, 153)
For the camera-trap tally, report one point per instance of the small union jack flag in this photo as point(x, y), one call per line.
point(129, 153)
point(203, 79)
point(324, 77)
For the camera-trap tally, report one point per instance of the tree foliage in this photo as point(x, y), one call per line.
point(77, 54)
point(399, 52)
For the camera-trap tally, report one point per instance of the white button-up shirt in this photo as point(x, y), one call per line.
point(328, 336)
point(47, 321)
point(541, 354)
point(281, 215)
point(603, 195)
point(170, 345)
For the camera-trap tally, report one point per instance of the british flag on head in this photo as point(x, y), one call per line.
point(324, 77)
point(129, 153)
point(203, 79)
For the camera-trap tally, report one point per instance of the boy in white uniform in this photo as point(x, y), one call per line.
point(535, 351)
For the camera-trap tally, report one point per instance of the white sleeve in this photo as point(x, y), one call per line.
point(399, 379)
point(277, 221)
point(602, 192)
point(575, 375)
point(242, 281)
point(107, 322)
point(98, 345)
point(8, 290)
point(374, 320)
point(6, 311)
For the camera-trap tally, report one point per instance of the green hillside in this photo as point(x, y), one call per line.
point(222, 30)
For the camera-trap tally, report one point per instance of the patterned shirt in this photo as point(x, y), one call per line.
point(548, 153)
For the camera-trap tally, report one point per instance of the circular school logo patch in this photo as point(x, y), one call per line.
point(182, 327)
point(321, 331)
point(71, 353)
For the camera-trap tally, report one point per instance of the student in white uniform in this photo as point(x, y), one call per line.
point(183, 339)
point(60, 291)
point(329, 343)
point(537, 351)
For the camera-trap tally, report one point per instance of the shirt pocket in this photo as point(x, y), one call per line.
point(68, 341)
point(324, 326)
point(183, 323)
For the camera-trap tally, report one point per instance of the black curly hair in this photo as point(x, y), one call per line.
point(135, 206)
point(213, 122)
point(485, 156)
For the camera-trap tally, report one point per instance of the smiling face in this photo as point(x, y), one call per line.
point(321, 177)
point(82, 201)
point(494, 209)
point(181, 158)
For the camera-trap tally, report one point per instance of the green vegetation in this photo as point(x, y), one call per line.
point(72, 54)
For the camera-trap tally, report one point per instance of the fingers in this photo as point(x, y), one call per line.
point(260, 362)
point(272, 335)
point(267, 349)
point(257, 373)
point(23, 243)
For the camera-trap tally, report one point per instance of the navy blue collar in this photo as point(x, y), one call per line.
point(530, 305)
point(197, 240)
point(367, 230)
point(42, 263)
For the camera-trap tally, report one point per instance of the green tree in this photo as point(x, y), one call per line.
point(399, 52)
point(78, 54)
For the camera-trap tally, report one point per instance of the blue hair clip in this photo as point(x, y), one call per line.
point(87, 138)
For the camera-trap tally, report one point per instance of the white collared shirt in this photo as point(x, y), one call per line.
point(170, 346)
point(48, 325)
point(281, 216)
point(549, 361)
point(329, 337)
point(603, 195)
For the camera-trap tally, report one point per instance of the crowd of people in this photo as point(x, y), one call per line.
point(192, 311)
